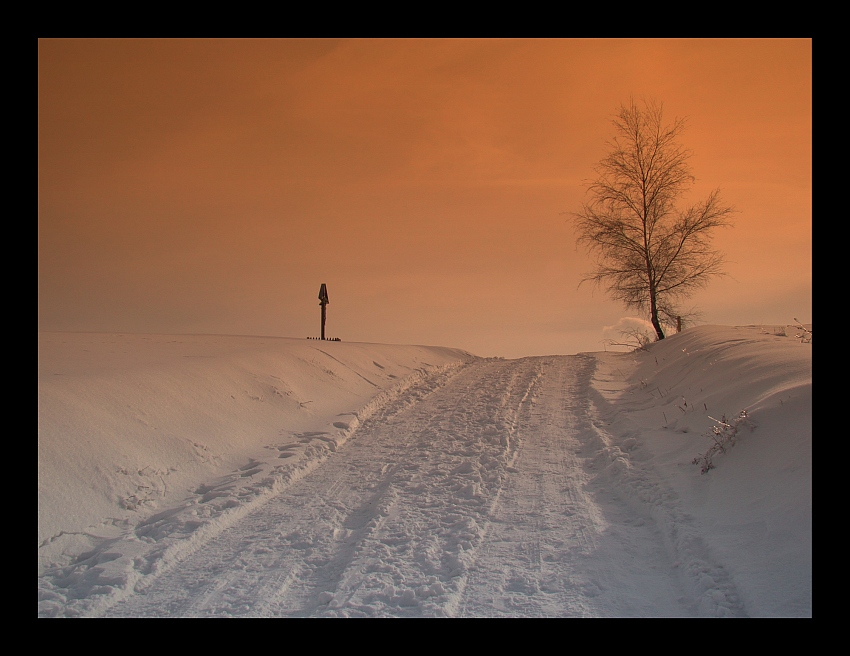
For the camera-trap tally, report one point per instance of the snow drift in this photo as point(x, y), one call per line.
point(130, 424)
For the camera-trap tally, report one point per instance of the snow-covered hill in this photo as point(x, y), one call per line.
point(150, 445)
point(128, 424)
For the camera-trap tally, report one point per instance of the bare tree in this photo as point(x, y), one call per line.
point(650, 254)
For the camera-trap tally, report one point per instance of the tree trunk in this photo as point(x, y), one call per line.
point(653, 301)
point(653, 315)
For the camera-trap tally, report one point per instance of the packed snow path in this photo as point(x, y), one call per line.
point(472, 494)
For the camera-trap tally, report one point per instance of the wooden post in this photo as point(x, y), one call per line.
point(678, 324)
point(323, 301)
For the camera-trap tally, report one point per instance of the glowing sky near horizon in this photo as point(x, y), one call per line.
point(211, 186)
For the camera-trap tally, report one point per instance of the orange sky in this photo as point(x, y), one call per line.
point(212, 186)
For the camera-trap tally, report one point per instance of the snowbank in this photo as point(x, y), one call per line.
point(753, 510)
point(129, 424)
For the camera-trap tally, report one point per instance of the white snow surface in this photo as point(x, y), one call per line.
point(229, 476)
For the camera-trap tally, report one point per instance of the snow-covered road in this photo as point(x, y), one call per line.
point(471, 494)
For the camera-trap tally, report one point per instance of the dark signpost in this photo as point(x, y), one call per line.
point(323, 301)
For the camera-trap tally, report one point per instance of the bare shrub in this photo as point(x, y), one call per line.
point(723, 433)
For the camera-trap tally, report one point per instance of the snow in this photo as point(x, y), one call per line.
point(211, 475)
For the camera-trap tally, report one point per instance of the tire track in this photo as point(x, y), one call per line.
point(285, 553)
point(472, 494)
point(556, 543)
